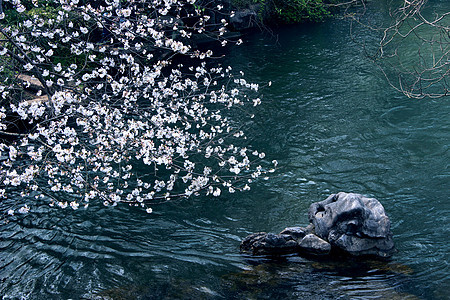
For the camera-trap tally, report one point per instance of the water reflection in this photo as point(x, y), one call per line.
point(289, 278)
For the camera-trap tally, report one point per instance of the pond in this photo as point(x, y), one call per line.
point(334, 124)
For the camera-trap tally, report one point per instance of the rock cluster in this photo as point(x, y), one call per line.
point(344, 222)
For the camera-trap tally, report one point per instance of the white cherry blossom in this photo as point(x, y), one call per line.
point(120, 119)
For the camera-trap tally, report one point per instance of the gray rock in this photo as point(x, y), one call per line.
point(296, 233)
point(313, 244)
point(262, 243)
point(353, 223)
point(244, 19)
point(346, 222)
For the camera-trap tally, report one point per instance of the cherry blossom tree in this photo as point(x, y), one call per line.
point(111, 101)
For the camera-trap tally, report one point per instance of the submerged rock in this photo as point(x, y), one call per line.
point(344, 222)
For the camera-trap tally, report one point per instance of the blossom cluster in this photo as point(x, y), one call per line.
point(132, 112)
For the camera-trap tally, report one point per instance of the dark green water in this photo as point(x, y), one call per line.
point(334, 124)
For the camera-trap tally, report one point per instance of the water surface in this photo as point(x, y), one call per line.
point(334, 124)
